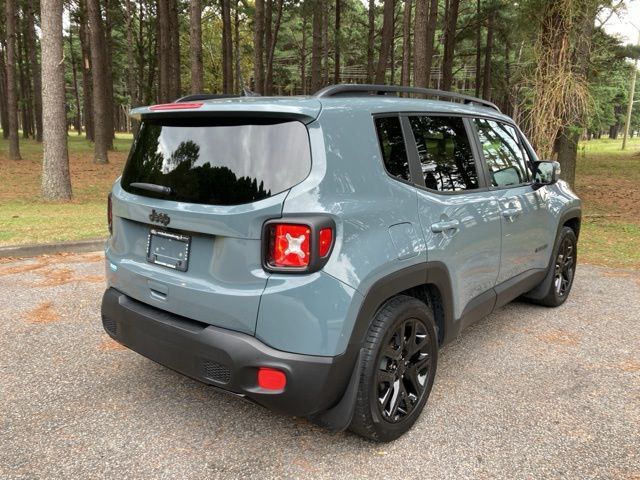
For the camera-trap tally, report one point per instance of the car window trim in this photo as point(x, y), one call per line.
point(414, 157)
point(484, 163)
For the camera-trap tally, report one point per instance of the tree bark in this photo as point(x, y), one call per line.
point(272, 47)
point(478, 48)
point(99, 76)
point(486, 77)
point(132, 87)
point(426, 17)
point(325, 43)
point(405, 73)
point(12, 95)
point(74, 72)
point(4, 112)
point(337, 41)
point(303, 55)
point(227, 48)
point(258, 46)
point(56, 183)
point(451, 22)
point(168, 50)
point(35, 67)
point(316, 46)
point(87, 77)
point(25, 107)
point(195, 44)
point(387, 41)
point(371, 41)
point(108, 63)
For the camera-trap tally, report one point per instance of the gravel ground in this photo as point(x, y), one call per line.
point(528, 392)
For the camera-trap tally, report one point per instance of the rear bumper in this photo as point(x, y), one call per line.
point(226, 359)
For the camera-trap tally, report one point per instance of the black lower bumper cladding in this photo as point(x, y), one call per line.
point(226, 359)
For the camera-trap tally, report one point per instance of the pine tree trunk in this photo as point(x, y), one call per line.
point(132, 87)
point(227, 48)
point(236, 30)
point(99, 76)
point(258, 48)
point(12, 94)
point(4, 112)
point(272, 46)
point(426, 17)
point(478, 48)
point(108, 62)
point(174, 30)
point(195, 45)
point(337, 41)
point(371, 40)
point(387, 41)
point(405, 73)
point(451, 22)
point(168, 50)
point(87, 77)
point(268, 24)
point(486, 77)
point(316, 47)
point(56, 183)
point(25, 106)
point(74, 72)
point(30, 36)
point(325, 43)
point(303, 56)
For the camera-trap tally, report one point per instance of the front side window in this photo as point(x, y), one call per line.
point(394, 153)
point(502, 153)
point(445, 153)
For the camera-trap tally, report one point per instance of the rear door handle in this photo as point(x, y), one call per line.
point(445, 226)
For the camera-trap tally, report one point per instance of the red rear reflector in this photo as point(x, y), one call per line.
point(175, 106)
point(289, 245)
point(271, 379)
point(326, 239)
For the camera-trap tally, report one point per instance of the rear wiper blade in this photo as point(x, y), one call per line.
point(152, 187)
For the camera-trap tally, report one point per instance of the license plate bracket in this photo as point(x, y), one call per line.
point(168, 249)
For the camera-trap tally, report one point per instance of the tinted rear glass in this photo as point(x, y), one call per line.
point(218, 164)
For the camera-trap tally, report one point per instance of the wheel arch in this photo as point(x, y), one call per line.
point(429, 282)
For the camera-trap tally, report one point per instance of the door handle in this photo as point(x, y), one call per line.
point(444, 226)
point(510, 213)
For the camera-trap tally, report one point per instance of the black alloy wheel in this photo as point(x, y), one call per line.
point(565, 267)
point(403, 370)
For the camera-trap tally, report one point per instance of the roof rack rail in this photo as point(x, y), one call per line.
point(351, 89)
point(203, 96)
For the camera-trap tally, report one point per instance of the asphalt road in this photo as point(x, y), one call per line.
point(528, 392)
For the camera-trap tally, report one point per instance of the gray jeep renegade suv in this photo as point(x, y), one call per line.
point(312, 254)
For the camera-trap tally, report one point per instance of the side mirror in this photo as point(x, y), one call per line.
point(547, 173)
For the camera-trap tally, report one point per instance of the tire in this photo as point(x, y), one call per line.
point(399, 366)
point(562, 269)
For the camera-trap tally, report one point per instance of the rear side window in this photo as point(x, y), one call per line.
point(445, 153)
point(502, 152)
point(202, 161)
point(392, 146)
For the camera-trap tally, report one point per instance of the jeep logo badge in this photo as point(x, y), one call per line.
point(159, 217)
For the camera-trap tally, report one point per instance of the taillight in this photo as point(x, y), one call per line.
point(297, 245)
point(290, 245)
point(109, 214)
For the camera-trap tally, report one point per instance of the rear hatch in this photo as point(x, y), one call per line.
point(189, 208)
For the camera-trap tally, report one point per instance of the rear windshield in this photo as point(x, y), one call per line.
point(217, 164)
